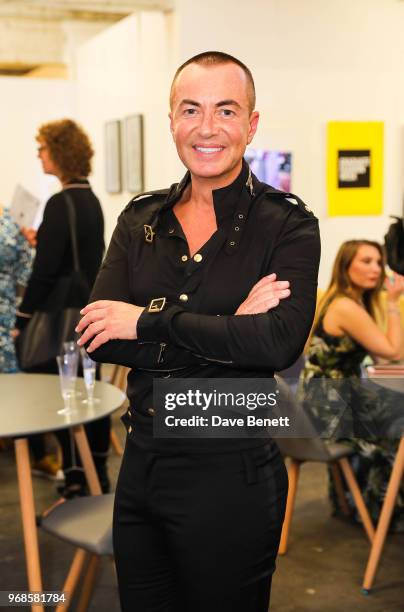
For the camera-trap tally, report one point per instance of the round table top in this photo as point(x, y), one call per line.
point(30, 404)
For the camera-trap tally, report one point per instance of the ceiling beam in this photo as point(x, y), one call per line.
point(86, 10)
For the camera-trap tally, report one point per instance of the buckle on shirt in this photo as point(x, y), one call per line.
point(156, 305)
point(249, 183)
point(148, 233)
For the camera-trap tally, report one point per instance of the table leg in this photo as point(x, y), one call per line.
point(28, 517)
point(87, 460)
point(384, 519)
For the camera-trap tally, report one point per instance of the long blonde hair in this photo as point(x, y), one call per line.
point(341, 284)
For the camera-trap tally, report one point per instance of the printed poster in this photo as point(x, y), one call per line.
point(355, 168)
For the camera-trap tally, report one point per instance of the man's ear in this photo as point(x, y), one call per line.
point(253, 124)
point(170, 116)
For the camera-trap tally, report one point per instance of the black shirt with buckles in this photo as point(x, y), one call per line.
point(193, 331)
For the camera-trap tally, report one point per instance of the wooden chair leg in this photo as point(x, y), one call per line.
point(116, 445)
point(114, 375)
point(339, 488)
point(118, 377)
point(59, 455)
point(88, 584)
point(122, 380)
point(357, 495)
point(293, 474)
point(73, 577)
point(385, 517)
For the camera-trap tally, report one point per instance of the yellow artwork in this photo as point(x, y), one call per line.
point(355, 168)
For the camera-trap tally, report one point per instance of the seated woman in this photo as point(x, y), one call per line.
point(344, 332)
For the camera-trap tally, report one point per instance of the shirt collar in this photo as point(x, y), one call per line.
point(224, 199)
point(76, 182)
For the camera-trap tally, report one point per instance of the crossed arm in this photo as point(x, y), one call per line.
point(106, 320)
point(268, 330)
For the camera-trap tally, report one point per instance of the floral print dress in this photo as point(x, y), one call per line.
point(15, 268)
point(340, 357)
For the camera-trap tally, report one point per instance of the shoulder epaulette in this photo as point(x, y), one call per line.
point(290, 197)
point(147, 194)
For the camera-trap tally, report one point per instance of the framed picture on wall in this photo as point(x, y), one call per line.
point(272, 167)
point(113, 175)
point(134, 153)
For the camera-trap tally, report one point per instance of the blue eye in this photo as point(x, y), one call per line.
point(227, 112)
point(189, 111)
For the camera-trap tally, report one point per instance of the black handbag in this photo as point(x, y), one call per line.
point(394, 244)
point(42, 338)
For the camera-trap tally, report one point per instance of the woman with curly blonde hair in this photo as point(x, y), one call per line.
point(65, 151)
point(67, 146)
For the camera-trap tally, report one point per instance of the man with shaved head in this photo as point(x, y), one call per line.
point(213, 278)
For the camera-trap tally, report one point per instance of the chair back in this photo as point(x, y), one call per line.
point(302, 449)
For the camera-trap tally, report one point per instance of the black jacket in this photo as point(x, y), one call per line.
point(259, 231)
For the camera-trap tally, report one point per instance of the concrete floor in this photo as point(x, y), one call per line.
point(322, 571)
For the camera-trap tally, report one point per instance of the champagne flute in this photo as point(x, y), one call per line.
point(71, 348)
point(89, 377)
point(67, 366)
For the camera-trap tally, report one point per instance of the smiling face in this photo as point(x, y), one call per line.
point(211, 121)
point(366, 267)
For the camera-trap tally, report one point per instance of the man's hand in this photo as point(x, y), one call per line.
point(265, 295)
point(15, 333)
point(106, 320)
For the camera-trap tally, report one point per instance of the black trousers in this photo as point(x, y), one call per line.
point(198, 532)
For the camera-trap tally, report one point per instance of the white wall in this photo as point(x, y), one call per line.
point(313, 62)
point(122, 71)
point(26, 104)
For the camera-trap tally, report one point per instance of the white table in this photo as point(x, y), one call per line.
point(396, 384)
point(29, 405)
